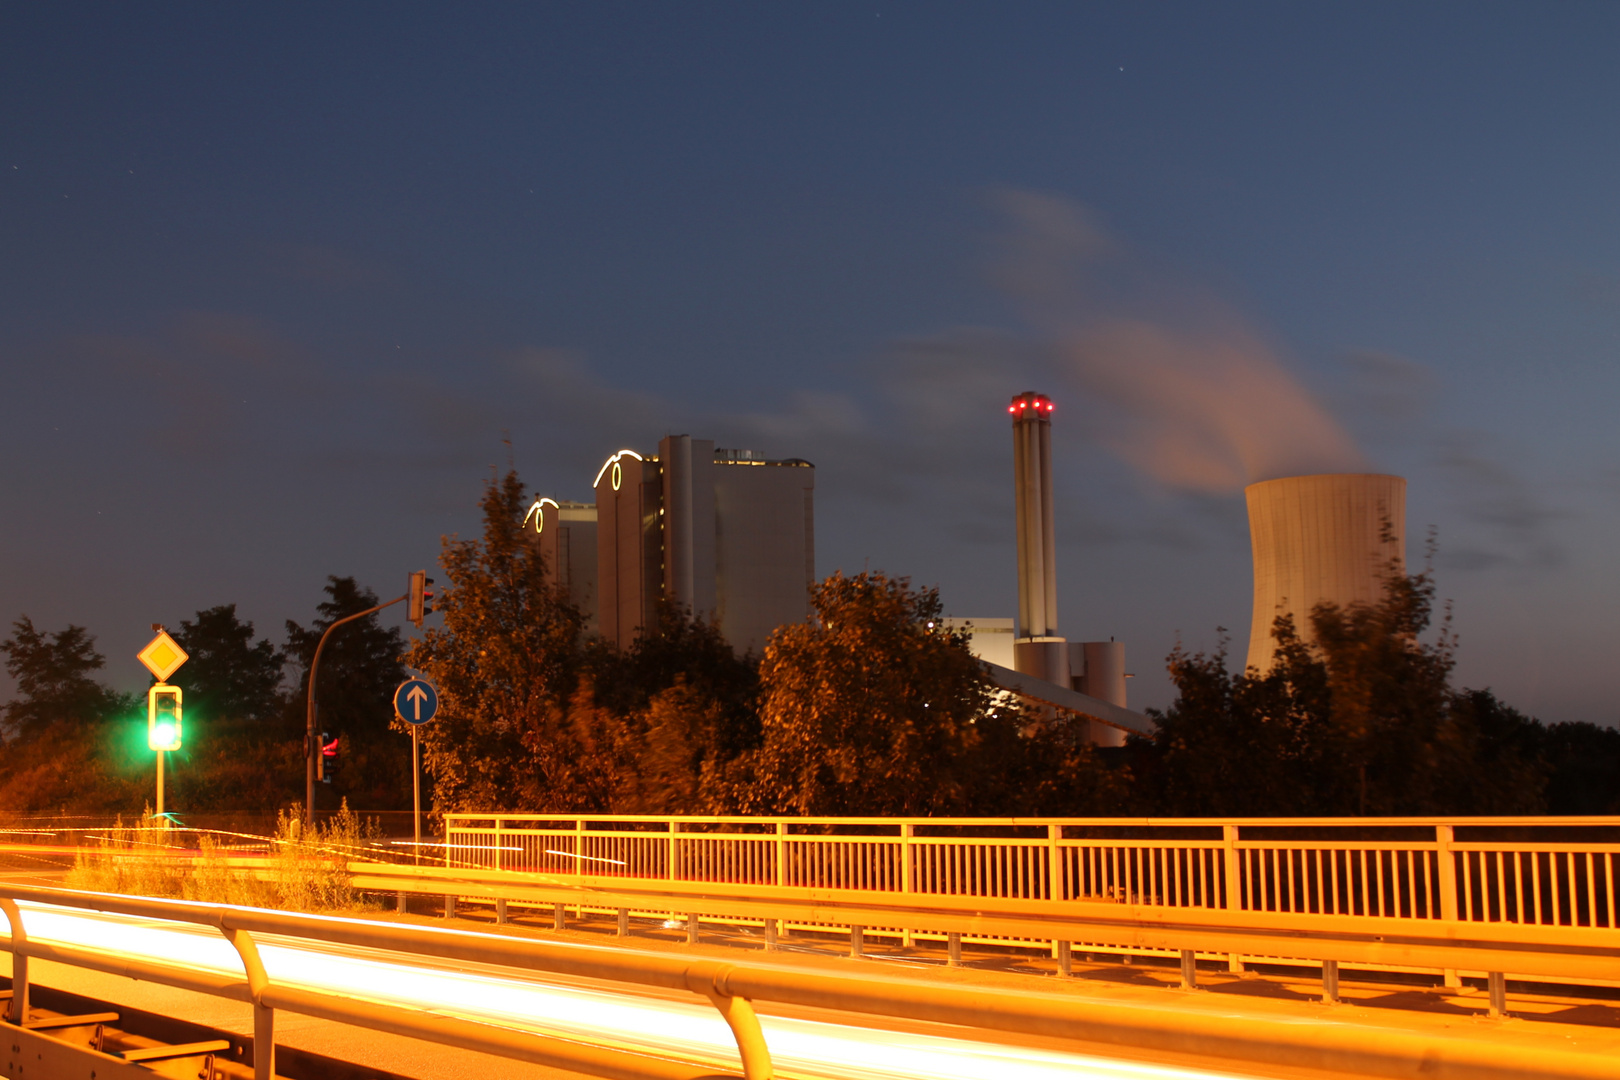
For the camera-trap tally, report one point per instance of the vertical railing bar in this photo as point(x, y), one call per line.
point(1569, 861)
point(1535, 878)
point(1289, 854)
point(1609, 886)
point(1589, 890)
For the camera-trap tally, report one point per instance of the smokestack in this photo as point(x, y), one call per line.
point(1037, 648)
point(1320, 538)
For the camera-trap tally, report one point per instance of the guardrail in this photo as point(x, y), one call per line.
point(239, 925)
point(1529, 871)
point(733, 988)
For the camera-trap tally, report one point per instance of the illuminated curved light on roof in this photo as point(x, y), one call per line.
point(538, 512)
point(614, 460)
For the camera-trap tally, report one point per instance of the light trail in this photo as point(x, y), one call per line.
point(835, 1051)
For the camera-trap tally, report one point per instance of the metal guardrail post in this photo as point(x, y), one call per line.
point(1497, 982)
point(857, 942)
point(710, 980)
point(744, 1023)
point(1189, 969)
point(264, 1017)
point(1054, 834)
point(953, 949)
point(907, 831)
point(19, 963)
point(1446, 878)
point(1232, 885)
point(1446, 870)
point(781, 853)
point(1330, 982)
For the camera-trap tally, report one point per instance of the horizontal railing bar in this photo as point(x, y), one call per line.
point(1610, 821)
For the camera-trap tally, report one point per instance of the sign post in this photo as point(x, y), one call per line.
point(416, 702)
point(162, 657)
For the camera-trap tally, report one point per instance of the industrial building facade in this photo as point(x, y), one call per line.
point(726, 535)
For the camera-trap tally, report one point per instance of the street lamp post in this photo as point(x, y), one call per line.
point(311, 745)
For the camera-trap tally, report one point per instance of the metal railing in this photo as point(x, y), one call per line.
point(1532, 871)
point(1445, 1052)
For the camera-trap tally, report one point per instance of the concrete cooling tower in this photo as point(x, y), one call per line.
point(1316, 538)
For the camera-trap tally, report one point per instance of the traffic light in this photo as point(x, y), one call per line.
point(329, 750)
point(163, 717)
point(420, 595)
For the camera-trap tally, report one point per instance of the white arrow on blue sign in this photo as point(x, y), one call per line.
point(416, 701)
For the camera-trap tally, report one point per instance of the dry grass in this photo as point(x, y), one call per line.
point(305, 870)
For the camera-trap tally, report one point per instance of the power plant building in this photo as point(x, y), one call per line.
point(566, 535)
point(1333, 537)
point(727, 535)
point(1028, 656)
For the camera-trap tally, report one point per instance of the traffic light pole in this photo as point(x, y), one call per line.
point(160, 754)
point(311, 744)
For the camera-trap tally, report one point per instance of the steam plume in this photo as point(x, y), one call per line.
point(1175, 384)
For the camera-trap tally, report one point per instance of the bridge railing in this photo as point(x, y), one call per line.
point(1534, 871)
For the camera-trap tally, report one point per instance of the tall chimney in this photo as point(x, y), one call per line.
point(1037, 648)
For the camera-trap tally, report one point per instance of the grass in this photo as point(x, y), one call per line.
point(306, 868)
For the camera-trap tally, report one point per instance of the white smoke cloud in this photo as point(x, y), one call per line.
point(1174, 383)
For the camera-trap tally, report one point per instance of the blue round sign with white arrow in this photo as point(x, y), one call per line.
point(416, 701)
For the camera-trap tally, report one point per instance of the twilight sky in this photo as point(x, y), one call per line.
point(275, 282)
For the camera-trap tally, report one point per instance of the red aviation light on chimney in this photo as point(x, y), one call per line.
point(1021, 407)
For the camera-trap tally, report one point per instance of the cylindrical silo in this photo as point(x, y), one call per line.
point(1332, 537)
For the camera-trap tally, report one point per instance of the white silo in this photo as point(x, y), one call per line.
point(1331, 537)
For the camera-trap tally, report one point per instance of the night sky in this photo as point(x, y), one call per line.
point(277, 283)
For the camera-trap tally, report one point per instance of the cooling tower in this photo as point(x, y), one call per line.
point(1316, 538)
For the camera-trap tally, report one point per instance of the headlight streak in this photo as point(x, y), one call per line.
point(801, 1046)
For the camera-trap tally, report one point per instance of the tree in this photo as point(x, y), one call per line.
point(874, 708)
point(1583, 761)
point(66, 747)
point(1361, 721)
point(52, 671)
point(229, 676)
point(360, 669)
point(675, 708)
point(1235, 745)
point(506, 663)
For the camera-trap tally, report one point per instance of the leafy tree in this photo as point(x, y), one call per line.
point(360, 669)
point(67, 750)
point(229, 676)
point(506, 663)
point(1583, 761)
point(873, 709)
point(1361, 721)
point(52, 671)
point(675, 708)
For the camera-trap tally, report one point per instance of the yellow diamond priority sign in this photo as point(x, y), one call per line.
point(162, 656)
